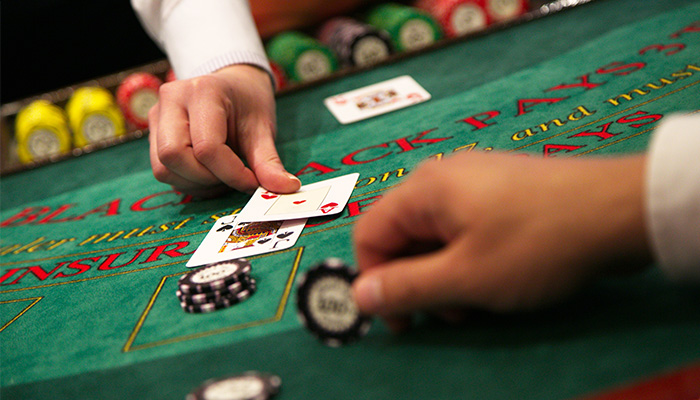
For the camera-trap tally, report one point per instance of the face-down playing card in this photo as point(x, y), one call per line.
point(317, 199)
point(229, 239)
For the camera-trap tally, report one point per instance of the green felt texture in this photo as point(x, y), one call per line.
point(106, 324)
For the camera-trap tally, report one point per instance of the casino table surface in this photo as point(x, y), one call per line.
point(92, 247)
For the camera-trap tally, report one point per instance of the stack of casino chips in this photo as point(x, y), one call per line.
point(136, 94)
point(93, 115)
point(301, 57)
point(216, 286)
point(41, 131)
point(356, 44)
point(457, 17)
point(408, 27)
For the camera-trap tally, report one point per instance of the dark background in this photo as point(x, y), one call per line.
point(50, 44)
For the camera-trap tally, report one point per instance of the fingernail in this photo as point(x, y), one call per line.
point(292, 177)
point(368, 293)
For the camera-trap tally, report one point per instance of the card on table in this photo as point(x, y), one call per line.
point(317, 199)
point(229, 239)
point(376, 99)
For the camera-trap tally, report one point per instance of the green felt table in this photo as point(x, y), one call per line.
point(92, 247)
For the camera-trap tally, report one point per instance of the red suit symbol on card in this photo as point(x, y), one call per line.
point(269, 195)
point(299, 202)
point(415, 97)
point(326, 208)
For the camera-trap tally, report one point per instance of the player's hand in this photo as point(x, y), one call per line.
point(203, 129)
point(498, 232)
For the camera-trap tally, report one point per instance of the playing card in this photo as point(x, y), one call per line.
point(229, 239)
point(376, 99)
point(317, 199)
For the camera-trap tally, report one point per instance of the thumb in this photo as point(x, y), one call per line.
point(267, 166)
point(405, 285)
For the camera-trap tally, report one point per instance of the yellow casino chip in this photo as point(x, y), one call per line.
point(94, 116)
point(41, 131)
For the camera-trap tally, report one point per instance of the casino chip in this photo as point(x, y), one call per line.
point(325, 304)
point(136, 95)
point(214, 277)
point(215, 287)
point(94, 115)
point(170, 76)
point(41, 131)
point(457, 17)
point(251, 385)
point(355, 43)
point(505, 10)
point(278, 76)
point(302, 57)
point(408, 27)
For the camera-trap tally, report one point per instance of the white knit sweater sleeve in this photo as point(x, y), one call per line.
point(202, 36)
point(673, 196)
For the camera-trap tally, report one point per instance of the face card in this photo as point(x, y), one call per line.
point(376, 99)
point(229, 239)
point(317, 199)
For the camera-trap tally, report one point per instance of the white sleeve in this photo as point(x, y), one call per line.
point(673, 196)
point(202, 36)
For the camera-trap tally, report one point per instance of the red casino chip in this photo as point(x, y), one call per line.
point(170, 76)
point(457, 17)
point(136, 95)
point(279, 76)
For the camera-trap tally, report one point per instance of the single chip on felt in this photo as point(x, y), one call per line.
point(251, 385)
point(325, 304)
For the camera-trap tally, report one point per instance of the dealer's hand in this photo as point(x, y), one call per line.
point(203, 129)
point(498, 232)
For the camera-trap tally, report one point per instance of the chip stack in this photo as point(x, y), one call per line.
point(302, 57)
point(325, 304)
point(457, 17)
point(408, 27)
point(505, 10)
point(136, 94)
point(93, 115)
point(216, 286)
point(41, 131)
point(356, 44)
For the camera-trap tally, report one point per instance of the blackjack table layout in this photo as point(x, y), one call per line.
point(92, 246)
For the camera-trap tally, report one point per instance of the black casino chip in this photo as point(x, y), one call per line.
point(325, 304)
point(220, 303)
point(209, 297)
point(251, 385)
point(355, 43)
point(214, 277)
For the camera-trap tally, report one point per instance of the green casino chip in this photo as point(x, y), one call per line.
point(408, 27)
point(302, 57)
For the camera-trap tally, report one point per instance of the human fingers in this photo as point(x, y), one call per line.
point(405, 221)
point(405, 285)
point(173, 150)
point(163, 174)
point(210, 125)
point(260, 151)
